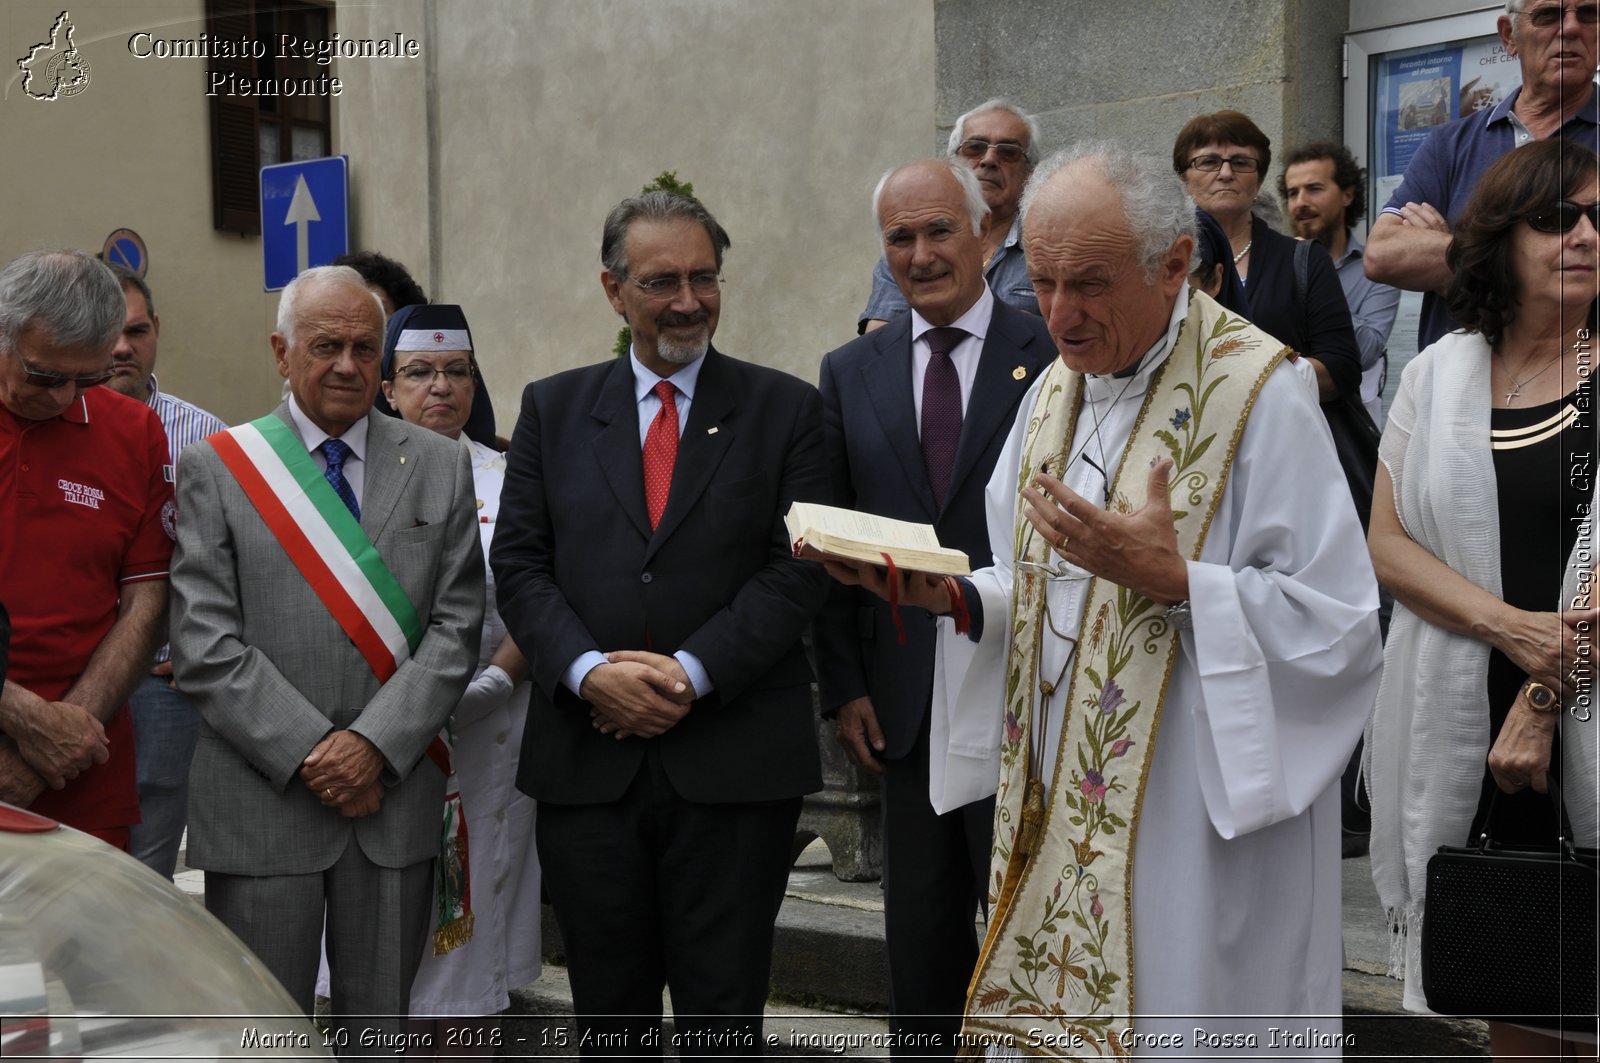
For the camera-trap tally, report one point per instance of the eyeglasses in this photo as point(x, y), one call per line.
point(1005, 151)
point(1062, 570)
point(1548, 15)
point(705, 285)
point(37, 378)
point(1562, 215)
point(1213, 163)
point(422, 374)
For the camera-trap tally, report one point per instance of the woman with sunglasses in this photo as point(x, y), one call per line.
point(431, 379)
point(1486, 483)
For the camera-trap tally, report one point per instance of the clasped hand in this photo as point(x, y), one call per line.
point(342, 770)
point(1521, 753)
point(1556, 649)
point(59, 740)
point(637, 694)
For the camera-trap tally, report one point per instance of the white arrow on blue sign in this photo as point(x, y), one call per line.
point(305, 217)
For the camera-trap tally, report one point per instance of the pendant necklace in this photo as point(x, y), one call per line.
point(1033, 800)
point(1518, 385)
point(1033, 793)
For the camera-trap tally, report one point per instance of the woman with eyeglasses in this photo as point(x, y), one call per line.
point(431, 378)
point(1222, 159)
point(1479, 529)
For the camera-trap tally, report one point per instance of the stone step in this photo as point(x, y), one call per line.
point(830, 978)
point(828, 952)
point(540, 1026)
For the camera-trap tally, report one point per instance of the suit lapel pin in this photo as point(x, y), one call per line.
point(1018, 373)
point(403, 457)
point(711, 431)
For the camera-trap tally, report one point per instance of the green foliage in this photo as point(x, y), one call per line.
point(665, 181)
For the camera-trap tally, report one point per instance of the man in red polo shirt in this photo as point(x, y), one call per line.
point(86, 498)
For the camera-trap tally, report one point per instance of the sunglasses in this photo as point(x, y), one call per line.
point(1548, 15)
point(1562, 215)
point(1006, 152)
point(36, 378)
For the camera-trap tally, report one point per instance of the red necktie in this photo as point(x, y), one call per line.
point(660, 451)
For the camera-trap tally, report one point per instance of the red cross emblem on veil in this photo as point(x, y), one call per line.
point(438, 337)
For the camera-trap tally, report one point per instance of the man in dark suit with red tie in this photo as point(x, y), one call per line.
point(916, 413)
point(643, 566)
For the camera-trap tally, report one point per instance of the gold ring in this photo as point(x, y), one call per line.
point(329, 792)
point(1065, 538)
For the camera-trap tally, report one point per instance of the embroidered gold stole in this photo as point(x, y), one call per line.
point(1058, 956)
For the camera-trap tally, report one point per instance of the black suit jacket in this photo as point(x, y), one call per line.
point(875, 458)
point(578, 568)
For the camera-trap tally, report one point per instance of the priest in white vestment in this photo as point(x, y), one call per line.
point(1167, 666)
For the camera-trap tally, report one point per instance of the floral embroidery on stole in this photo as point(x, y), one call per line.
point(1060, 942)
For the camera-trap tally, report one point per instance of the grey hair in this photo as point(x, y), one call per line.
point(1155, 207)
point(1268, 209)
point(999, 103)
point(971, 191)
point(129, 279)
point(317, 277)
point(68, 294)
point(658, 207)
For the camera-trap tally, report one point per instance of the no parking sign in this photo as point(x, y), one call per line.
point(124, 247)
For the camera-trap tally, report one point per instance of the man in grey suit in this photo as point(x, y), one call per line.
point(310, 785)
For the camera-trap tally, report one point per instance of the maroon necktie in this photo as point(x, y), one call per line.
point(941, 409)
point(660, 451)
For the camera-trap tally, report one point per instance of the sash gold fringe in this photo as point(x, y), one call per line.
point(453, 934)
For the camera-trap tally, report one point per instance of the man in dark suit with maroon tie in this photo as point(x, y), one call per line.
point(915, 414)
point(643, 566)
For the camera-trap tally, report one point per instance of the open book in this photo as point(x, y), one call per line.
point(819, 532)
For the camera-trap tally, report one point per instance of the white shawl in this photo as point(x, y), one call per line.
point(1429, 736)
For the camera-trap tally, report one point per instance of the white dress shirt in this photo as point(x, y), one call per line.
point(355, 437)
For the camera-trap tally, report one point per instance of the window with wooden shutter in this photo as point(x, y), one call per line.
point(252, 131)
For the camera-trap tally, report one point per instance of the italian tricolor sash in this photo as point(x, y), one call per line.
point(1059, 952)
point(344, 569)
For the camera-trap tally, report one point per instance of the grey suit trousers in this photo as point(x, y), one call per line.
point(377, 927)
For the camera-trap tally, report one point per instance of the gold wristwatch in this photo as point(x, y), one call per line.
point(1540, 698)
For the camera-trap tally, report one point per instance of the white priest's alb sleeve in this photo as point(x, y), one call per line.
point(967, 712)
point(1285, 642)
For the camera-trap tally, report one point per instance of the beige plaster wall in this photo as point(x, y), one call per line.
point(781, 113)
point(488, 165)
point(132, 151)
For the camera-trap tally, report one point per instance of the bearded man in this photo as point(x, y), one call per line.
point(642, 564)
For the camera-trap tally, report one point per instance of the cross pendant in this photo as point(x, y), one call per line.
point(1513, 393)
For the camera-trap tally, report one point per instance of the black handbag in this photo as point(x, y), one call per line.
point(1508, 935)
point(1355, 441)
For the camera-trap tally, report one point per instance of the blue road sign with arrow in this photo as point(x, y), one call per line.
point(305, 217)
